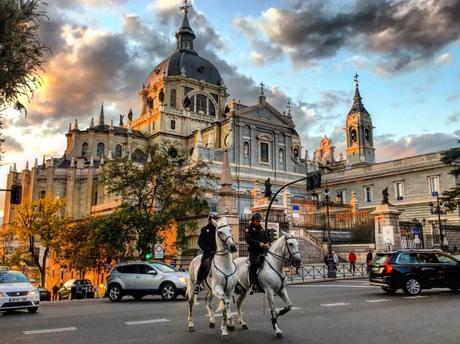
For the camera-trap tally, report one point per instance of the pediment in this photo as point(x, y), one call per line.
point(267, 114)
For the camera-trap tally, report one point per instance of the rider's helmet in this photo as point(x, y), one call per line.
point(256, 217)
point(213, 215)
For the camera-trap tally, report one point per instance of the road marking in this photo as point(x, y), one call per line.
point(142, 322)
point(416, 297)
point(51, 330)
point(377, 300)
point(335, 304)
point(330, 285)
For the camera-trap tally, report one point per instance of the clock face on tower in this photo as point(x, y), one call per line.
point(228, 140)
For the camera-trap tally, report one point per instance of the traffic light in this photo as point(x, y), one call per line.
point(314, 180)
point(16, 194)
point(148, 255)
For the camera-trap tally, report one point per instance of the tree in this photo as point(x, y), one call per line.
point(452, 157)
point(40, 221)
point(155, 193)
point(21, 50)
point(80, 247)
point(6, 244)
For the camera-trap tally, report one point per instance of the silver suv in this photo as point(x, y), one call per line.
point(145, 278)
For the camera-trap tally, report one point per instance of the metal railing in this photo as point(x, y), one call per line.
point(316, 272)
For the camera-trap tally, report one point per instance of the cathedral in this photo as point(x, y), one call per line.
point(184, 101)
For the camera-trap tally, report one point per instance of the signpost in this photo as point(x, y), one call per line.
point(159, 253)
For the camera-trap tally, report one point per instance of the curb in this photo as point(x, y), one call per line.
point(327, 280)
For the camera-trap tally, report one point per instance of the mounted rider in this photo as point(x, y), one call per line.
point(207, 242)
point(257, 239)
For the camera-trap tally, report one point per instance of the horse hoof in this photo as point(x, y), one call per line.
point(231, 328)
point(279, 335)
point(212, 325)
point(245, 327)
point(191, 329)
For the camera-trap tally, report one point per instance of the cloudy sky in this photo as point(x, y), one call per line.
point(407, 54)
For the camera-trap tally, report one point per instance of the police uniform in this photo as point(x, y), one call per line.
point(207, 242)
point(255, 235)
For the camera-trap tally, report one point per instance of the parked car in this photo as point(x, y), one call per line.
point(45, 294)
point(414, 270)
point(139, 279)
point(76, 289)
point(17, 292)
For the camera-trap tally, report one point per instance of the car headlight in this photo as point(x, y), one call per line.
point(33, 293)
point(2, 294)
point(183, 280)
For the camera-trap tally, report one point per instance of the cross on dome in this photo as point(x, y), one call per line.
point(186, 7)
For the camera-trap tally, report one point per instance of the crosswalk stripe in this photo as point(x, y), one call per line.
point(142, 322)
point(51, 330)
point(416, 297)
point(377, 300)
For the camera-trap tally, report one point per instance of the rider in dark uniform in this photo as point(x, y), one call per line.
point(207, 243)
point(257, 239)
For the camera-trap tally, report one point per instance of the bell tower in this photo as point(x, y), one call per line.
point(359, 132)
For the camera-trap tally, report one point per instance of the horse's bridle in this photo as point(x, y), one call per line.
point(286, 246)
point(219, 253)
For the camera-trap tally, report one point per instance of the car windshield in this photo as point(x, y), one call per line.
point(163, 267)
point(380, 259)
point(13, 277)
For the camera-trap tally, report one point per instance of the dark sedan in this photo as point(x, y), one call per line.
point(414, 270)
point(45, 294)
point(76, 289)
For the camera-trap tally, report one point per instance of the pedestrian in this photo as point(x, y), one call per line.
point(181, 268)
point(352, 261)
point(455, 249)
point(369, 259)
point(54, 290)
point(336, 260)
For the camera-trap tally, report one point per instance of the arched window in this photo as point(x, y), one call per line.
point(201, 101)
point(139, 156)
point(212, 109)
point(353, 137)
point(118, 151)
point(173, 98)
point(100, 149)
point(42, 194)
point(173, 124)
point(367, 135)
point(172, 152)
point(84, 149)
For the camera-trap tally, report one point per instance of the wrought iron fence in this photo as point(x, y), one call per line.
point(319, 272)
point(412, 234)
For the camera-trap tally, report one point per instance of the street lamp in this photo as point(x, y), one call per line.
point(440, 208)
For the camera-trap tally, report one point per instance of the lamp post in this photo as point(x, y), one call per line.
point(439, 209)
point(326, 203)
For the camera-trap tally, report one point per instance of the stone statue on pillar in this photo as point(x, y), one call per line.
point(268, 189)
point(385, 195)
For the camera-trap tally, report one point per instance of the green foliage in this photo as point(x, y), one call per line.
point(452, 157)
point(154, 194)
point(21, 50)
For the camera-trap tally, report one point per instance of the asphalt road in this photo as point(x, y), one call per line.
point(328, 312)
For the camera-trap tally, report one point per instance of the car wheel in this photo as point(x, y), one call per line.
point(412, 286)
point(389, 290)
point(32, 309)
point(168, 292)
point(115, 293)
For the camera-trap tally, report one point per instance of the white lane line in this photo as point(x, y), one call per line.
point(416, 297)
point(330, 285)
point(142, 322)
point(51, 330)
point(220, 314)
point(378, 300)
point(335, 304)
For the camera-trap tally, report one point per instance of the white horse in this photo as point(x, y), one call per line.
point(222, 279)
point(271, 276)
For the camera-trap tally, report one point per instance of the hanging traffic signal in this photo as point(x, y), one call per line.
point(16, 194)
point(148, 255)
point(314, 180)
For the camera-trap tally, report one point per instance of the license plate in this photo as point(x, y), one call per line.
point(18, 299)
point(377, 270)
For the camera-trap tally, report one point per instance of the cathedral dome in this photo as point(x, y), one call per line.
point(185, 60)
point(189, 64)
